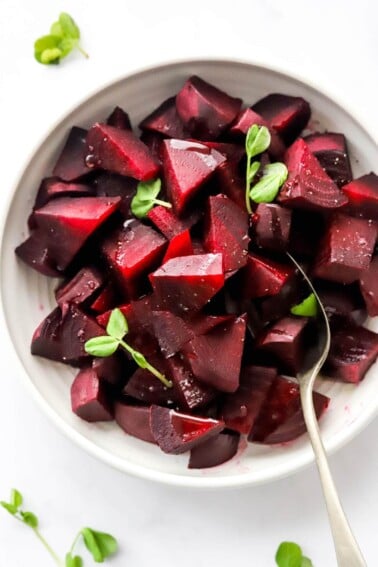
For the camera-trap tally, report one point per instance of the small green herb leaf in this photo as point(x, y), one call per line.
point(99, 544)
point(29, 519)
point(289, 554)
point(145, 198)
point(11, 508)
point(307, 308)
point(47, 50)
point(306, 562)
point(265, 190)
point(117, 326)
point(255, 166)
point(73, 561)
point(16, 498)
point(140, 359)
point(257, 140)
point(101, 346)
point(63, 38)
point(68, 26)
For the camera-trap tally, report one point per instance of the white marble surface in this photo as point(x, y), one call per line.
point(158, 525)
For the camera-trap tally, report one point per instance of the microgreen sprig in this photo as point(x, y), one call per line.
point(64, 36)
point(257, 141)
point(101, 545)
point(106, 345)
point(306, 308)
point(266, 189)
point(145, 198)
point(289, 554)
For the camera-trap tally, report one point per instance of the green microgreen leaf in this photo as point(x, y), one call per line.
point(145, 198)
point(266, 189)
point(16, 498)
point(101, 346)
point(289, 554)
point(306, 308)
point(68, 26)
point(117, 326)
point(257, 140)
point(73, 561)
point(99, 544)
point(255, 166)
point(140, 359)
point(47, 50)
point(306, 562)
point(11, 508)
point(29, 519)
point(64, 36)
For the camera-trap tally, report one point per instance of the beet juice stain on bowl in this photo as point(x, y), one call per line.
point(204, 287)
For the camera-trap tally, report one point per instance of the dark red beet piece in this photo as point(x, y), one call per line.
point(331, 150)
point(187, 165)
point(177, 433)
point(113, 369)
point(132, 252)
point(67, 224)
point(226, 232)
point(240, 409)
point(285, 340)
point(190, 392)
point(154, 143)
point(272, 226)
point(231, 183)
point(205, 110)
point(119, 119)
point(171, 331)
point(187, 283)
point(105, 300)
point(120, 151)
point(53, 187)
point(113, 185)
point(71, 162)
point(89, 398)
point(145, 387)
point(134, 420)
point(353, 350)
point(215, 358)
point(264, 277)
point(34, 252)
point(245, 120)
point(308, 186)
point(168, 223)
point(339, 298)
point(180, 245)
point(288, 115)
point(369, 287)
point(232, 152)
point(46, 338)
point(165, 120)
point(307, 228)
point(346, 250)
point(214, 451)
point(201, 324)
point(362, 195)
point(80, 288)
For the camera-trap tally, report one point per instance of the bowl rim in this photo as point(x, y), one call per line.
point(236, 481)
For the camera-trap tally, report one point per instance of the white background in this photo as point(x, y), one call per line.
point(158, 525)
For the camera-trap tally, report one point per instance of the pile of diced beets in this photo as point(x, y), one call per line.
point(205, 287)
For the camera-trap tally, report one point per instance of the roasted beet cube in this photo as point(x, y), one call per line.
point(205, 110)
point(132, 253)
point(168, 223)
point(67, 224)
point(231, 183)
point(263, 277)
point(171, 332)
point(331, 151)
point(226, 231)
point(215, 358)
point(232, 152)
point(248, 118)
point(306, 230)
point(346, 250)
point(113, 185)
point(177, 432)
point(190, 392)
point(113, 369)
point(201, 324)
point(362, 195)
point(338, 298)
point(71, 164)
point(288, 115)
point(180, 245)
point(353, 350)
point(105, 300)
point(189, 282)
point(53, 187)
point(34, 252)
point(134, 420)
point(46, 339)
point(80, 289)
point(165, 120)
point(369, 287)
point(187, 165)
point(272, 226)
point(119, 119)
point(145, 387)
point(120, 151)
point(89, 397)
point(285, 340)
point(308, 186)
point(214, 451)
point(240, 409)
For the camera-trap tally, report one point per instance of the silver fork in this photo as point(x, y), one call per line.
point(347, 551)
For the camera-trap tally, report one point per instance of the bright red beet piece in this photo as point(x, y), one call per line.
point(67, 224)
point(288, 115)
point(188, 283)
point(71, 163)
point(120, 151)
point(272, 226)
point(119, 119)
point(214, 451)
point(34, 252)
point(145, 387)
point(187, 165)
point(165, 120)
point(134, 420)
point(113, 185)
point(105, 300)
point(180, 245)
point(369, 287)
point(52, 187)
point(89, 397)
point(215, 358)
point(177, 433)
point(308, 186)
point(226, 232)
point(171, 331)
point(331, 150)
point(80, 288)
point(248, 118)
point(346, 250)
point(205, 110)
point(362, 195)
point(190, 392)
point(168, 223)
point(264, 277)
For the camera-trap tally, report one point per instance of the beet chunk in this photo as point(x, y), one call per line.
point(189, 282)
point(288, 115)
point(233, 153)
point(71, 163)
point(112, 369)
point(120, 151)
point(308, 186)
point(53, 187)
point(145, 387)
point(263, 277)
point(67, 224)
point(187, 165)
point(346, 250)
point(171, 331)
point(306, 230)
point(205, 110)
point(34, 252)
point(180, 245)
point(168, 223)
point(331, 150)
point(190, 392)
point(113, 185)
point(80, 288)
point(231, 183)
point(134, 420)
point(214, 451)
point(119, 119)
point(248, 118)
point(353, 350)
point(272, 226)
point(339, 298)
point(226, 231)
point(177, 432)
point(369, 287)
point(362, 195)
point(215, 358)
point(46, 338)
point(165, 120)
point(240, 409)
point(89, 397)
point(105, 300)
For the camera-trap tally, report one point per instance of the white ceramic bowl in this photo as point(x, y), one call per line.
point(351, 407)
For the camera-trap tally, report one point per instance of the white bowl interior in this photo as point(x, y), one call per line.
point(28, 296)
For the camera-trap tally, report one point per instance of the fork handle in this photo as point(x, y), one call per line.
point(347, 551)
